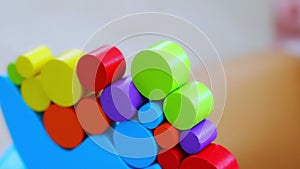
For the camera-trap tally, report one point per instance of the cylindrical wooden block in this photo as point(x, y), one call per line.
point(135, 144)
point(13, 74)
point(154, 166)
point(160, 69)
point(188, 105)
point(31, 62)
point(212, 157)
point(59, 78)
point(121, 100)
point(196, 139)
point(166, 136)
point(63, 127)
point(171, 159)
point(100, 67)
point(91, 116)
point(34, 95)
point(151, 114)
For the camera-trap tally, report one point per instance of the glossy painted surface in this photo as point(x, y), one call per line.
point(59, 79)
point(160, 69)
point(31, 62)
point(188, 105)
point(35, 146)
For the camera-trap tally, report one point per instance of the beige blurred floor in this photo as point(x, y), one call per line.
point(261, 122)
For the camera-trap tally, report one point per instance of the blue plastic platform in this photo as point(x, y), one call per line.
point(36, 148)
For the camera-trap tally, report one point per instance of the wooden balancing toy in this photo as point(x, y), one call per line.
point(78, 111)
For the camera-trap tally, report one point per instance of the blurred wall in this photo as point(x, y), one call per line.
point(234, 26)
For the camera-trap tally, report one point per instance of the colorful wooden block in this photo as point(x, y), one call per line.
point(63, 127)
point(151, 114)
point(166, 136)
point(154, 166)
point(91, 115)
point(135, 144)
point(100, 67)
point(35, 146)
point(121, 100)
point(197, 138)
point(31, 62)
point(34, 94)
point(13, 74)
point(171, 159)
point(159, 72)
point(188, 105)
point(160, 69)
point(212, 157)
point(59, 78)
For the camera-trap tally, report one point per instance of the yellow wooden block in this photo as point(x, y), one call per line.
point(34, 95)
point(31, 62)
point(59, 78)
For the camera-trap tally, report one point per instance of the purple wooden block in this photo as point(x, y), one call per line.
point(121, 100)
point(197, 138)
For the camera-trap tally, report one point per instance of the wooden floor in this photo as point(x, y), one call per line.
point(261, 122)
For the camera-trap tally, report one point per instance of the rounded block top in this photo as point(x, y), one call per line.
point(63, 126)
point(59, 79)
point(197, 138)
point(135, 144)
point(100, 67)
point(91, 116)
point(213, 157)
point(31, 62)
point(13, 74)
point(160, 69)
point(166, 136)
point(121, 100)
point(151, 114)
point(188, 105)
point(170, 159)
point(34, 95)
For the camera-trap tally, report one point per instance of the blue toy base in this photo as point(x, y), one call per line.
point(36, 148)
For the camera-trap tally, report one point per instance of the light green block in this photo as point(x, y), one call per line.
point(160, 69)
point(13, 74)
point(188, 105)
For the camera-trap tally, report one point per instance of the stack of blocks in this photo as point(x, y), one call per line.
point(154, 118)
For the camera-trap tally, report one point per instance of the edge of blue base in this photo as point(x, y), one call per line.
point(37, 149)
point(11, 159)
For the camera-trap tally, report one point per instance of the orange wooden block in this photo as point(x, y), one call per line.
point(166, 136)
point(91, 116)
point(63, 126)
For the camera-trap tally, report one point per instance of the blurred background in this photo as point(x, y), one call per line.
point(235, 27)
point(258, 42)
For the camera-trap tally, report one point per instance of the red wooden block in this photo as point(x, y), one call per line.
point(63, 126)
point(100, 67)
point(171, 159)
point(212, 157)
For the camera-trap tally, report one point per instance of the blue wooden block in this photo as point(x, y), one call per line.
point(37, 149)
point(151, 114)
point(154, 166)
point(135, 144)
